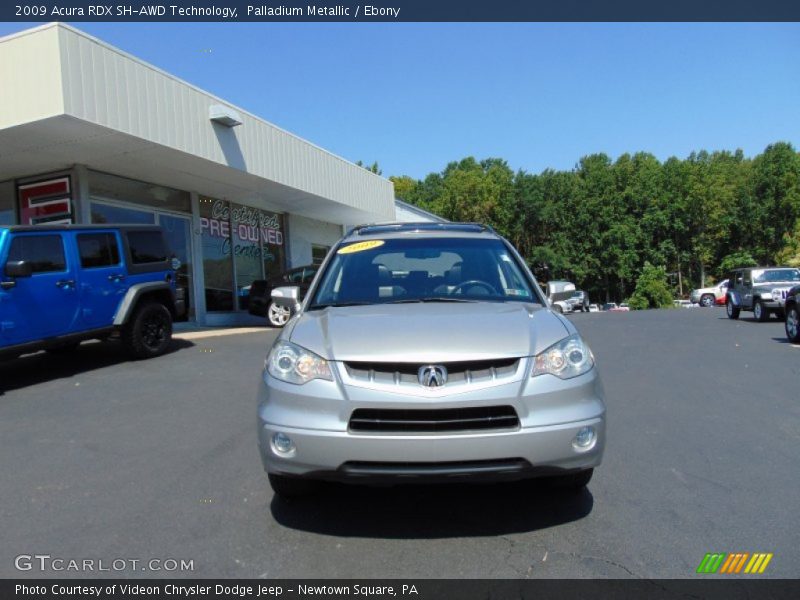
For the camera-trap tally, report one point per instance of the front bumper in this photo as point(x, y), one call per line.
point(325, 448)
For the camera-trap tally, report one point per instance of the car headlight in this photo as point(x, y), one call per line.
point(566, 359)
point(293, 364)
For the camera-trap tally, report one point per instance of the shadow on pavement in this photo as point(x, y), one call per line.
point(42, 366)
point(433, 511)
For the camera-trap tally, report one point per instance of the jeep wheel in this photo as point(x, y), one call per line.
point(759, 312)
point(707, 300)
point(574, 482)
point(733, 311)
point(149, 332)
point(291, 487)
point(278, 315)
point(793, 325)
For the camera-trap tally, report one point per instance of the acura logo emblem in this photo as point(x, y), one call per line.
point(432, 375)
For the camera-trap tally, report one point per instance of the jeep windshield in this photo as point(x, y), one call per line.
point(776, 275)
point(432, 269)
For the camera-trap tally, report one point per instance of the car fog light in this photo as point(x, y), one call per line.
point(585, 438)
point(282, 443)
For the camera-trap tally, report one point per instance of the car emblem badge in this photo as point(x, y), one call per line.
point(432, 375)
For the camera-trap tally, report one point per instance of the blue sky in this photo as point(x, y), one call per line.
point(417, 96)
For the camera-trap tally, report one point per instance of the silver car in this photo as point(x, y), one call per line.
point(427, 352)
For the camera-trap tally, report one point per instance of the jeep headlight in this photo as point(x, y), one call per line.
point(566, 359)
point(776, 295)
point(294, 364)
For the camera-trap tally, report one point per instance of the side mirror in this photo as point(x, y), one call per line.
point(287, 296)
point(19, 268)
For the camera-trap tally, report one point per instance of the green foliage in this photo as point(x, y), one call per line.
point(600, 223)
point(789, 255)
point(652, 289)
point(741, 258)
point(373, 168)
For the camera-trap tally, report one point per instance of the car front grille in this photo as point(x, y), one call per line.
point(458, 373)
point(433, 420)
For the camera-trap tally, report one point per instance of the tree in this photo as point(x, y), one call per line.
point(741, 258)
point(373, 168)
point(652, 289)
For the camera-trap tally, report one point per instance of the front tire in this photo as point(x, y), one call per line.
point(291, 487)
point(792, 325)
point(707, 300)
point(759, 312)
point(733, 311)
point(278, 315)
point(558, 309)
point(149, 332)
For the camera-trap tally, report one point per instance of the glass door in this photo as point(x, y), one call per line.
point(178, 233)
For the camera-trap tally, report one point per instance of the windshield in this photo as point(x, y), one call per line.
point(420, 270)
point(770, 275)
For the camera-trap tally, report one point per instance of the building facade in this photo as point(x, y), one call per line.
point(90, 134)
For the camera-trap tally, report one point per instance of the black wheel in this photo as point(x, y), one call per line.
point(278, 315)
point(707, 300)
point(759, 312)
point(733, 311)
point(792, 324)
point(291, 487)
point(148, 333)
point(62, 349)
point(574, 481)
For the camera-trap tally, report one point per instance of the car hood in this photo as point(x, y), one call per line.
point(428, 332)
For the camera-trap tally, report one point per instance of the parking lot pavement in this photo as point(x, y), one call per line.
point(105, 458)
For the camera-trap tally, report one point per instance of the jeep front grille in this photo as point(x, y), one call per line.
point(433, 420)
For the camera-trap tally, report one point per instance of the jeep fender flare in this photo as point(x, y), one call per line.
point(132, 296)
point(734, 298)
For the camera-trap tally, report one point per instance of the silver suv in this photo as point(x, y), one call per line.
point(762, 290)
point(427, 352)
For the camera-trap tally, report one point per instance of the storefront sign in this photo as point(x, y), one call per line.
point(45, 202)
point(249, 224)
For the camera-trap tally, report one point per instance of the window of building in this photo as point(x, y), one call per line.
point(108, 213)
point(112, 187)
point(146, 247)
point(7, 215)
point(45, 253)
point(241, 244)
point(318, 253)
point(217, 259)
point(98, 250)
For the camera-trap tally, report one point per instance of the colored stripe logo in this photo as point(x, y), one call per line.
point(734, 563)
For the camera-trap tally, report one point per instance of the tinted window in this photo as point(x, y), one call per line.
point(146, 247)
point(45, 253)
point(98, 250)
point(423, 269)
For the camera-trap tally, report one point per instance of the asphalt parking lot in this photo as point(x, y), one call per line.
point(105, 458)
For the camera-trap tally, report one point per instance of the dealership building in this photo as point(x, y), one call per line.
point(91, 134)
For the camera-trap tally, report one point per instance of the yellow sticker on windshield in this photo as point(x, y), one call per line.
point(360, 246)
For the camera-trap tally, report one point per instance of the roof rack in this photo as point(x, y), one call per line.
point(373, 228)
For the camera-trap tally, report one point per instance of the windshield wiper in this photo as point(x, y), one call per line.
point(337, 305)
point(437, 299)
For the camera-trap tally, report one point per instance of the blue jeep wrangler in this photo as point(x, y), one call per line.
point(62, 284)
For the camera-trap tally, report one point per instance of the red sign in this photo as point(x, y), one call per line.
point(45, 202)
